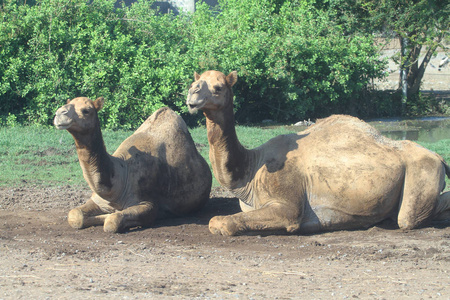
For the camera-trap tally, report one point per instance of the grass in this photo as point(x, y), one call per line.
point(38, 156)
point(47, 156)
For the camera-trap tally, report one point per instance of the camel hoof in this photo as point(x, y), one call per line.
point(113, 223)
point(75, 218)
point(293, 228)
point(222, 225)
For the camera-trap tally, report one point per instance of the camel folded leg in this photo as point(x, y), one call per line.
point(86, 215)
point(273, 217)
point(143, 214)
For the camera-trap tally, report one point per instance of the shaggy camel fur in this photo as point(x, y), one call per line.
point(154, 171)
point(338, 174)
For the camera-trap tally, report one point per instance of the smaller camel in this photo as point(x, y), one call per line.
point(155, 172)
point(338, 174)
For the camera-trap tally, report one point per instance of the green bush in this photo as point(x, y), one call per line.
point(58, 50)
point(293, 61)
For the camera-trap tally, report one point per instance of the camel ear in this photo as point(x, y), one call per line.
point(98, 103)
point(196, 76)
point(68, 100)
point(232, 78)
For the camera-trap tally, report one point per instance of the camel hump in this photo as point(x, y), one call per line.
point(164, 114)
point(164, 118)
point(161, 112)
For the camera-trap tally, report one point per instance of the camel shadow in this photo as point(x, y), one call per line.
point(282, 145)
point(214, 207)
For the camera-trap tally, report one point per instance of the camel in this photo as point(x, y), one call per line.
point(339, 174)
point(154, 173)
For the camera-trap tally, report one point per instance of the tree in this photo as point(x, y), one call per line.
point(420, 25)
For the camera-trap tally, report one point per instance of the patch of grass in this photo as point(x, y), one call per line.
point(43, 155)
point(441, 147)
point(250, 137)
point(47, 156)
point(35, 155)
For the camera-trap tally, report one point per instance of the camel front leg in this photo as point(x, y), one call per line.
point(273, 217)
point(143, 214)
point(86, 215)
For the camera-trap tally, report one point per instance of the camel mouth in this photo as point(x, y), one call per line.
point(194, 105)
point(193, 109)
point(62, 125)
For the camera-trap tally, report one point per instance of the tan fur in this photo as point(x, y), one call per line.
point(338, 174)
point(156, 170)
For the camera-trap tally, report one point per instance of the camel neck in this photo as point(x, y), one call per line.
point(229, 159)
point(96, 163)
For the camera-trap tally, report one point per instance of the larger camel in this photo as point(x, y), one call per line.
point(155, 171)
point(338, 174)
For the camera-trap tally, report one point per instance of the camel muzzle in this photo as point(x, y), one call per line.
point(194, 104)
point(61, 120)
point(193, 108)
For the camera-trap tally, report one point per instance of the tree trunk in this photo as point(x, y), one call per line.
point(416, 72)
point(403, 82)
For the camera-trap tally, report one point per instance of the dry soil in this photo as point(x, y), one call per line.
point(41, 257)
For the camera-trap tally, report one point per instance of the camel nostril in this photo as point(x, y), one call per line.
point(62, 111)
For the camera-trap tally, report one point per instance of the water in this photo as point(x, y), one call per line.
point(426, 129)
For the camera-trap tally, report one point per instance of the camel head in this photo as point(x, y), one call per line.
point(79, 114)
point(211, 91)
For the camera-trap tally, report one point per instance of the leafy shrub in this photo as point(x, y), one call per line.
point(58, 50)
point(293, 60)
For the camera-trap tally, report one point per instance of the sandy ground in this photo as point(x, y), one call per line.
point(43, 258)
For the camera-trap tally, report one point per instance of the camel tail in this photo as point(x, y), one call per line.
point(446, 167)
point(444, 163)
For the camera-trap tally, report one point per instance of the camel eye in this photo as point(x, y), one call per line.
point(85, 111)
point(217, 89)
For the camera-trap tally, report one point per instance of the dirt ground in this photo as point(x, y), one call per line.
point(43, 258)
